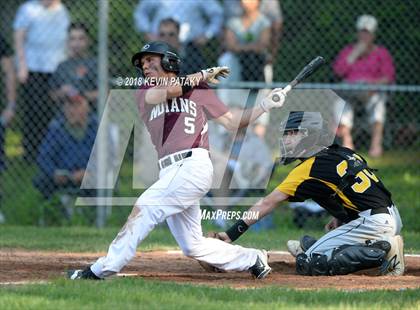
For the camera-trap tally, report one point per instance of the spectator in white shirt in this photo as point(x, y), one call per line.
point(40, 35)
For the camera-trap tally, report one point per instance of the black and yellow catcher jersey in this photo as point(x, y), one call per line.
point(321, 179)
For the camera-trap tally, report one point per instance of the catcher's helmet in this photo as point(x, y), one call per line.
point(308, 131)
point(170, 60)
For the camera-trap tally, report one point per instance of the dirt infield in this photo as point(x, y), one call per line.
point(19, 266)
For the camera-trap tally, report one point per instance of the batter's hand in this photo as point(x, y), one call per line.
point(275, 99)
point(219, 235)
point(211, 75)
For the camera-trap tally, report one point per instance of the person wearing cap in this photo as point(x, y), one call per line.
point(365, 62)
point(65, 149)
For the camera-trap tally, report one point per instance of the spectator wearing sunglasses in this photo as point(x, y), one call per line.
point(200, 23)
point(168, 32)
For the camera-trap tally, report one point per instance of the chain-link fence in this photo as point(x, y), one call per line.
point(51, 55)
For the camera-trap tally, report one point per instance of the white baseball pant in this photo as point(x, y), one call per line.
point(366, 227)
point(175, 198)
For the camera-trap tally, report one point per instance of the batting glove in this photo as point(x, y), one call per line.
point(275, 99)
point(211, 75)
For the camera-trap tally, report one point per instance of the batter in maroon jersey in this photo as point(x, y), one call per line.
point(176, 116)
point(181, 123)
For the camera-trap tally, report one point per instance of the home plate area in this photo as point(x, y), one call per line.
point(22, 267)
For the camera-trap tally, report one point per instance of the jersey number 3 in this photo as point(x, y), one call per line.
point(363, 178)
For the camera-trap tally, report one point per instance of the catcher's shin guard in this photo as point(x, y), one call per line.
point(344, 260)
point(349, 259)
point(316, 265)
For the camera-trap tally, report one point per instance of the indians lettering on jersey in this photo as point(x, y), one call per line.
point(182, 105)
point(181, 123)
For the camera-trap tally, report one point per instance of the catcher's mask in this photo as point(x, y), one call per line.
point(302, 136)
point(170, 60)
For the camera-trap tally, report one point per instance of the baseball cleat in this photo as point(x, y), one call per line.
point(78, 274)
point(294, 248)
point(261, 269)
point(394, 264)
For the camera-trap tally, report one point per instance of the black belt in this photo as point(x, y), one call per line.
point(381, 210)
point(163, 163)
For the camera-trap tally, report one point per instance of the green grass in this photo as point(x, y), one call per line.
point(130, 293)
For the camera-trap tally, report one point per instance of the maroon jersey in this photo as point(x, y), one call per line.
point(181, 123)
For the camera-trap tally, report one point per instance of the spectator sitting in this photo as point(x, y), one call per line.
point(200, 21)
point(252, 169)
point(66, 148)
point(80, 69)
point(2, 217)
point(6, 60)
point(40, 35)
point(9, 111)
point(247, 171)
point(365, 62)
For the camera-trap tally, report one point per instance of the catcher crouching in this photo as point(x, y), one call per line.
point(364, 232)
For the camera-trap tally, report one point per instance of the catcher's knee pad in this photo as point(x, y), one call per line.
point(316, 265)
point(349, 259)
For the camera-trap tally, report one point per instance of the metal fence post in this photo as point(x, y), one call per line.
point(102, 97)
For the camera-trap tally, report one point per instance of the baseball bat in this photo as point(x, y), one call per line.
point(307, 71)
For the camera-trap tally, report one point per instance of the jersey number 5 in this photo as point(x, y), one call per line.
point(363, 178)
point(189, 123)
